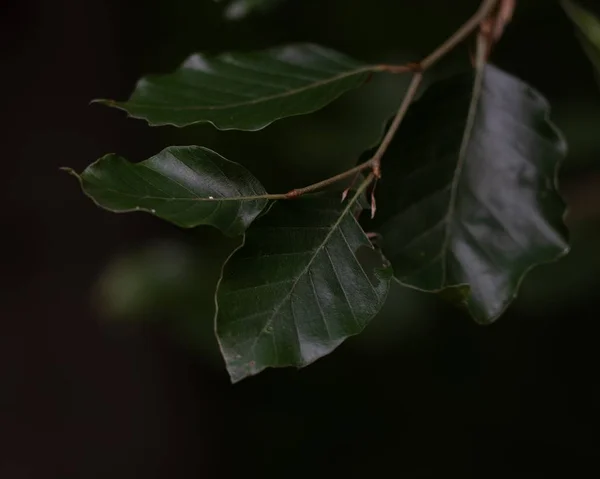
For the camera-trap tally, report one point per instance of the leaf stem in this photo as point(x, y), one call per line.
point(389, 136)
point(405, 68)
point(329, 181)
point(418, 69)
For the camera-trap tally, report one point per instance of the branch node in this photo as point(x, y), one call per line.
point(491, 17)
point(377, 169)
point(293, 194)
point(415, 67)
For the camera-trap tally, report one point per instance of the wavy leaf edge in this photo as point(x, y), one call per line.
point(384, 274)
point(266, 204)
point(466, 287)
point(364, 69)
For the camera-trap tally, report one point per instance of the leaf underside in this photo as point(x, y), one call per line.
point(481, 219)
point(245, 91)
point(297, 288)
point(186, 185)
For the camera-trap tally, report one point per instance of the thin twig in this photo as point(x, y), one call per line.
point(493, 26)
point(328, 181)
point(389, 136)
point(504, 17)
point(293, 193)
point(485, 10)
point(405, 68)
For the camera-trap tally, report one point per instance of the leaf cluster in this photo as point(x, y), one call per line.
point(466, 195)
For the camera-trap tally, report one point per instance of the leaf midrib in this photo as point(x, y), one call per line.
point(469, 126)
point(255, 101)
point(171, 198)
point(306, 269)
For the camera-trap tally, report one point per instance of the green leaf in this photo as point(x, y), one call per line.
point(297, 288)
point(588, 31)
point(468, 195)
point(186, 185)
point(245, 91)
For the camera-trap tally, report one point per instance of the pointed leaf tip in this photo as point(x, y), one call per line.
point(245, 91)
point(186, 185)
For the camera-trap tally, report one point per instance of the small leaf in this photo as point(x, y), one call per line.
point(468, 195)
point(245, 91)
point(588, 31)
point(186, 185)
point(296, 289)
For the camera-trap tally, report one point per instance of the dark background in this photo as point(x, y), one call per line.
point(108, 367)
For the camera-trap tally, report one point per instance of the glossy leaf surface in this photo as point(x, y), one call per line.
point(481, 215)
point(245, 91)
point(297, 288)
point(186, 185)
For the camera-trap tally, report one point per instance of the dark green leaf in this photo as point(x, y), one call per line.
point(296, 289)
point(186, 185)
point(468, 195)
point(588, 31)
point(245, 91)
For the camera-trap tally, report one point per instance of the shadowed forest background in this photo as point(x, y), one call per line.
point(108, 364)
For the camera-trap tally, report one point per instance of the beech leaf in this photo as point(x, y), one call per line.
point(245, 91)
point(298, 286)
point(186, 185)
point(468, 195)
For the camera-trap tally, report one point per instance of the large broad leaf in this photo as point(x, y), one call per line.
point(296, 289)
point(468, 195)
point(588, 31)
point(245, 91)
point(186, 185)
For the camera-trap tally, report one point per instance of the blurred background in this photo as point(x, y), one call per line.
point(108, 364)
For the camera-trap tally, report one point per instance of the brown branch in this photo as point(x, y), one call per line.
point(328, 181)
point(485, 10)
point(389, 136)
point(406, 68)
